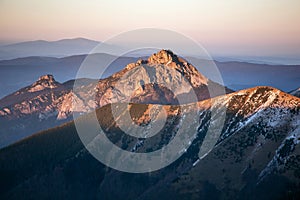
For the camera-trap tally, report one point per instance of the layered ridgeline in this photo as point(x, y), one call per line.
point(47, 103)
point(296, 92)
point(258, 151)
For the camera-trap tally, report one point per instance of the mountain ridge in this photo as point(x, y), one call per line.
point(295, 92)
point(78, 39)
point(59, 48)
point(258, 126)
point(48, 99)
point(232, 73)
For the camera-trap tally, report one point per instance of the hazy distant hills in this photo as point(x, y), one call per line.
point(60, 48)
point(236, 75)
point(271, 60)
point(296, 92)
point(242, 75)
point(20, 72)
point(76, 46)
point(257, 156)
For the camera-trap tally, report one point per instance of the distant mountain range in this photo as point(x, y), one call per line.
point(60, 48)
point(270, 60)
point(77, 46)
point(296, 92)
point(30, 69)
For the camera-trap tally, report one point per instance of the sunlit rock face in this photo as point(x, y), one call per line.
point(44, 82)
point(162, 69)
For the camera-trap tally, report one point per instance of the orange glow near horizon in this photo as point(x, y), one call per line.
point(271, 26)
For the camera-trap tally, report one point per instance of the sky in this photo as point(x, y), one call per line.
point(231, 27)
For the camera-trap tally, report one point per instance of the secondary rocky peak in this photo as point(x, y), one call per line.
point(47, 77)
point(45, 81)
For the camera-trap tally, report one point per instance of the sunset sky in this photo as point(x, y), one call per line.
point(257, 27)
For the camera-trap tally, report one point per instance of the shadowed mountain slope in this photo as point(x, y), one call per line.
point(257, 151)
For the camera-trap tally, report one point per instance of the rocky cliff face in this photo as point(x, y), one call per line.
point(43, 96)
point(44, 82)
point(160, 69)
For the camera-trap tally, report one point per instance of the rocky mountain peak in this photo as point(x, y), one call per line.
point(163, 67)
point(45, 81)
point(47, 77)
point(163, 57)
point(166, 59)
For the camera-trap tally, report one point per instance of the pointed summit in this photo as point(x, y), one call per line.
point(169, 59)
point(47, 77)
point(163, 57)
point(44, 82)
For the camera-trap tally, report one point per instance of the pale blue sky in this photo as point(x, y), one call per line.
point(264, 27)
